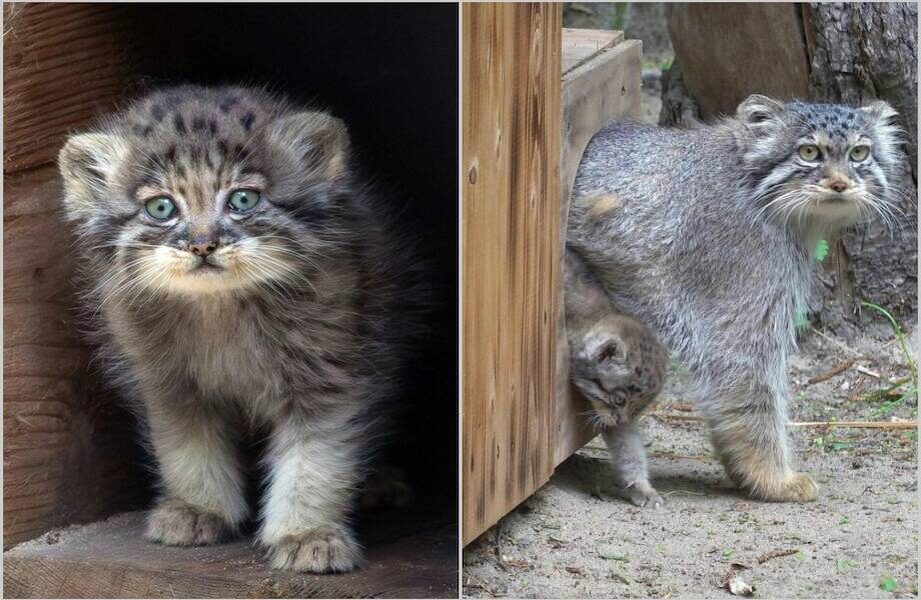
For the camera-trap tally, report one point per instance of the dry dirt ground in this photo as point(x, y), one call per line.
point(576, 538)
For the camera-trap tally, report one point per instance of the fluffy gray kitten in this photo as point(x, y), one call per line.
point(620, 366)
point(707, 236)
point(239, 275)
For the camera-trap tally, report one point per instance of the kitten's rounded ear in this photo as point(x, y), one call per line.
point(318, 139)
point(880, 111)
point(758, 109)
point(87, 162)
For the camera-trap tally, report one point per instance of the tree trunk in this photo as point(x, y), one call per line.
point(843, 53)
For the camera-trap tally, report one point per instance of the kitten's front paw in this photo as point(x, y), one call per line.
point(644, 495)
point(177, 523)
point(320, 550)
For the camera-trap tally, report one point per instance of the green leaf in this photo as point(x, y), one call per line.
point(727, 552)
point(821, 250)
point(843, 565)
point(888, 583)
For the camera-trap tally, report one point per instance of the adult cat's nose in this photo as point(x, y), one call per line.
point(838, 185)
point(202, 247)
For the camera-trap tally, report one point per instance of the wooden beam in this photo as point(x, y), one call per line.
point(111, 559)
point(511, 247)
point(580, 45)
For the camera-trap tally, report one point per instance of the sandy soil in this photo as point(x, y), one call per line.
point(576, 538)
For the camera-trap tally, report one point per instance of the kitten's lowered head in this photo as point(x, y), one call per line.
point(198, 191)
point(620, 367)
point(823, 165)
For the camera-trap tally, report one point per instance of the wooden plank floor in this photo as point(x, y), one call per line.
point(110, 559)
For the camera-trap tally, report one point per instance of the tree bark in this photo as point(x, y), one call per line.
point(842, 53)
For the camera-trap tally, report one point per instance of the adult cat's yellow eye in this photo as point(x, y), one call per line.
point(809, 152)
point(860, 153)
point(160, 208)
point(243, 200)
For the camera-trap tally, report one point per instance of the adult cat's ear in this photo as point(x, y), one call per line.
point(319, 140)
point(760, 113)
point(87, 162)
point(880, 111)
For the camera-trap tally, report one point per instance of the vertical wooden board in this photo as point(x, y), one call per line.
point(604, 88)
point(511, 247)
point(67, 448)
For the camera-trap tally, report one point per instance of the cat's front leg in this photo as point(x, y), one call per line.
point(202, 501)
point(628, 457)
point(314, 471)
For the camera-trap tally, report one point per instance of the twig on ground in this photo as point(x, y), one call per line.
point(776, 554)
point(841, 368)
point(913, 424)
point(679, 456)
point(867, 371)
point(668, 417)
point(838, 344)
point(471, 582)
point(688, 492)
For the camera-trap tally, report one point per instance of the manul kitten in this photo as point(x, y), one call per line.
point(239, 275)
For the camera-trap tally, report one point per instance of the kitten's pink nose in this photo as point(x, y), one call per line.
point(199, 248)
point(838, 186)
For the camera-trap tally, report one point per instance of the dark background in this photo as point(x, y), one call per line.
point(390, 72)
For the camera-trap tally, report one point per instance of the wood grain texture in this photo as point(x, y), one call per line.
point(601, 89)
point(63, 65)
point(67, 446)
point(111, 559)
point(510, 247)
point(580, 45)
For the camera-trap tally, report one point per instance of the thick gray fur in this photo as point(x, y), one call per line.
point(706, 236)
point(298, 323)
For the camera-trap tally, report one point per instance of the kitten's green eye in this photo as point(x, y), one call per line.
point(809, 152)
point(860, 153)
point(160, 208)
point(243, 200)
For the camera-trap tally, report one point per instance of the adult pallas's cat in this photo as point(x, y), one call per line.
point(706, 236)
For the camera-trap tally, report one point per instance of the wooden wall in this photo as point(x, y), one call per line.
point(67, 448)
point(510, 248)
point(521, 415)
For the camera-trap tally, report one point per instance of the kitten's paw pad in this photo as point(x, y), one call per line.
point(321, 550)
point(176, 523)
point(645, 496)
